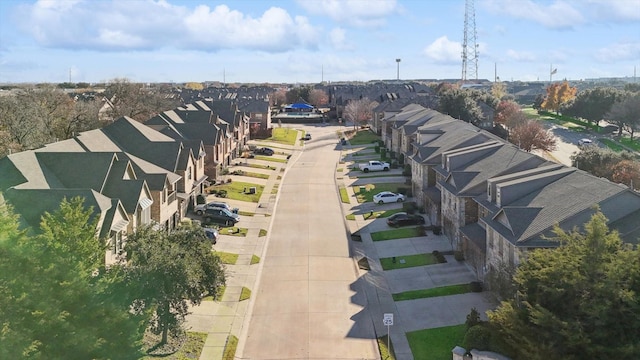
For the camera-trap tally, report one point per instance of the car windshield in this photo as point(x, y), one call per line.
point(227, 212)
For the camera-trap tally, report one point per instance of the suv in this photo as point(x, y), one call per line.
point(200, 208)
point(264, 151)
point(306, 136)
point(211, 234)
point(220, 216)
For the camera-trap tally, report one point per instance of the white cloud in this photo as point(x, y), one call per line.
point(362, 13)
point(144, 25)
point(615, 9)
point(338, 39)
point(619, 51)
point(443, 50)
point(557, 15)
point(524, 56)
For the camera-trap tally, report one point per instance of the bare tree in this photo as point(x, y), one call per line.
point(531, 135)
point(318, 97)
point(136, 101)
point(278, 98)
point(359, 112)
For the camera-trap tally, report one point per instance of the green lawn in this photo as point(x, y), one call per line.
point(246, 213)
point(233, 231)
point(190, 350)
point(350, 217)
point(372, 189)
point(634, 144)
point(436, 344)
point(612, 145)
point(262, 233)
point(395, 234)
point(255, 175)
point(366, 152)
point(434, 292)
point(284, 136)
point(409, 261)
point(259, 166)
point(236, 190)
point(364, 137)
point(385, 353)
point(254, 259)
point(227, 258)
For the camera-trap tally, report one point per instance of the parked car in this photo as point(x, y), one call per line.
point(404, 219)
point(264, 151)
point(585, 142)
point(306, 136)
point(220, 216)
point(374, 165)
point(211, 234)
point(387, 197)
point(200, 208)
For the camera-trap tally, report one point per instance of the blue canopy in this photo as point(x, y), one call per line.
point(300, 106)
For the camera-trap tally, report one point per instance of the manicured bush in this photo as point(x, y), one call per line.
point(477, 337)
point(200, 199)
point(459, 255)
point(476, 286)
point(439, 256)
point(473, 318)
point(222, 193)
point(409, 207)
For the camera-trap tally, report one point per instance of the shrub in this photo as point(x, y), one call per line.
point(213, 191)
point(476, 286)
point(473, 318)
point(222, 193)
point(229, 180)
point(383, 153)
point(200, 199)
point(377, 148)
point(439, 256)
point(409, 207)
point(459, 255)
point(392, 154)
point(477, 337)
point(401, 159)
point(422, 230)
point(407, 170)
point(437, 230)
point(394, 164)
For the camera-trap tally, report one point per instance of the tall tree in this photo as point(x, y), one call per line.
point(459, 104)
point(593, 104)
point(172, 270)
point(531, 135)
point(626, 172)
point(278, 98)
point(499, 90)
point(557, 95)
point(359, 112)
point(298, 93)
point(599, 162)
point(626, 113)
point(578, 301)
point(57, 299)
point(505, 112)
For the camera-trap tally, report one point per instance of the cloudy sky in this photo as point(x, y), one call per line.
point(309, 41)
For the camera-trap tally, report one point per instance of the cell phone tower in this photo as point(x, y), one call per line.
point(469, 43)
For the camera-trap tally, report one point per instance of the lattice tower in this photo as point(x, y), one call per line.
point(470, 43)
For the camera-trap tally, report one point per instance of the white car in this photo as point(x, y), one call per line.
point(387, 197)
point(584, 142)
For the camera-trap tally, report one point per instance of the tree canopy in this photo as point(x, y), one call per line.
point(578, 301)
point(359, 111)
point(172, 270)
point(593, 104)
point(531, 135)
point(600, 162)
point(557, 95)
point(57, 299)
point(626, 113)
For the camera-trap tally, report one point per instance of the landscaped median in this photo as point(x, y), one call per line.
point(433, 292)
point(436, 343)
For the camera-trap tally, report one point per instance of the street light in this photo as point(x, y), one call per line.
point(398, 76)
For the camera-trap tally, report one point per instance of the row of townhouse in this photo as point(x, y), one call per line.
point(129, 173)
point(494, 201)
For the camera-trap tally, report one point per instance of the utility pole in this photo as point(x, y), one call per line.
point(398, 72)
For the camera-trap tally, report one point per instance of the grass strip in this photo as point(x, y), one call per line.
point(436, 344)
point(270, 158)
point(262, 233)
point(344, 197)
point(386, 353)
point(229, 352)
point(612, 145)
point(363, 137)
point(409, 261)
point(395, 234)
point(351, 217)
point(234, 231)
point(254, 259)
point(433, 292)
point(244, 294)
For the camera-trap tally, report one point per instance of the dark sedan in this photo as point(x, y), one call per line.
point(264, 151)
point(404, 219)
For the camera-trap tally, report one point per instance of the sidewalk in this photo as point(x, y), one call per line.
point(220, 319)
